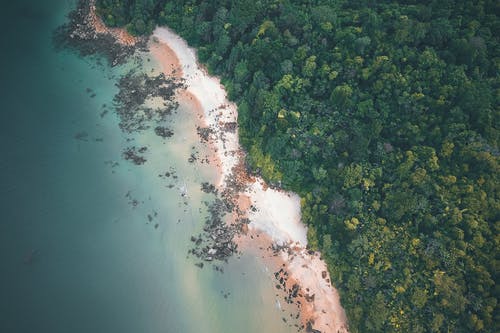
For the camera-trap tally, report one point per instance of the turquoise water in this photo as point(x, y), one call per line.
point(76, 255)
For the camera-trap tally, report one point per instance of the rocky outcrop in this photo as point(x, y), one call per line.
point(80, 34)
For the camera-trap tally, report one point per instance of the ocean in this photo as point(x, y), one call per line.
point(90, 242)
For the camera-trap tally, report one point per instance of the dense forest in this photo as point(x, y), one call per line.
point(383, 115)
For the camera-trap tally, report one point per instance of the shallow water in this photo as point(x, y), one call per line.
point(76, 255)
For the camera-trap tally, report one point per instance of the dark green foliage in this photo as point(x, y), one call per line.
point(137, 15)
point(383, 116)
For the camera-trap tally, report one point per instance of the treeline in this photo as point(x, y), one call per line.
point(383, 116)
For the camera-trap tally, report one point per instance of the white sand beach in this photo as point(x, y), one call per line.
point(273, 213)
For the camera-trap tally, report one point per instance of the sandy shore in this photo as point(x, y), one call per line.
point(170, 65)
point(274, 215)
point(166, 59)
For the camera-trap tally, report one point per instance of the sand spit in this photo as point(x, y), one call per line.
point(274, 214)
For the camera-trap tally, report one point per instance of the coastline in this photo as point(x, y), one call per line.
point(275, 232)
point(274, 214)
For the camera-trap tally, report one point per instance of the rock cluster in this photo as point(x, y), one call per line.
point(163, 131)
point(292, 292)
point(216, 243)
point(80, 34)
point(132, 154)
point(135, 89)
point(230, 127)
point(209, 188)
point(204, 133)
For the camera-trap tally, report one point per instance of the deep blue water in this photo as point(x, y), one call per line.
point(56, 194)
point(69, 244)
point(75, 256)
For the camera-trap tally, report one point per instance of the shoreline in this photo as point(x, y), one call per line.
point(275, 231)
point(274, 214)
point(216, 110)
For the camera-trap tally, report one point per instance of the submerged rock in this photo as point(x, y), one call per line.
point(135, 89)
point(163, 131)
point(132, 154)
